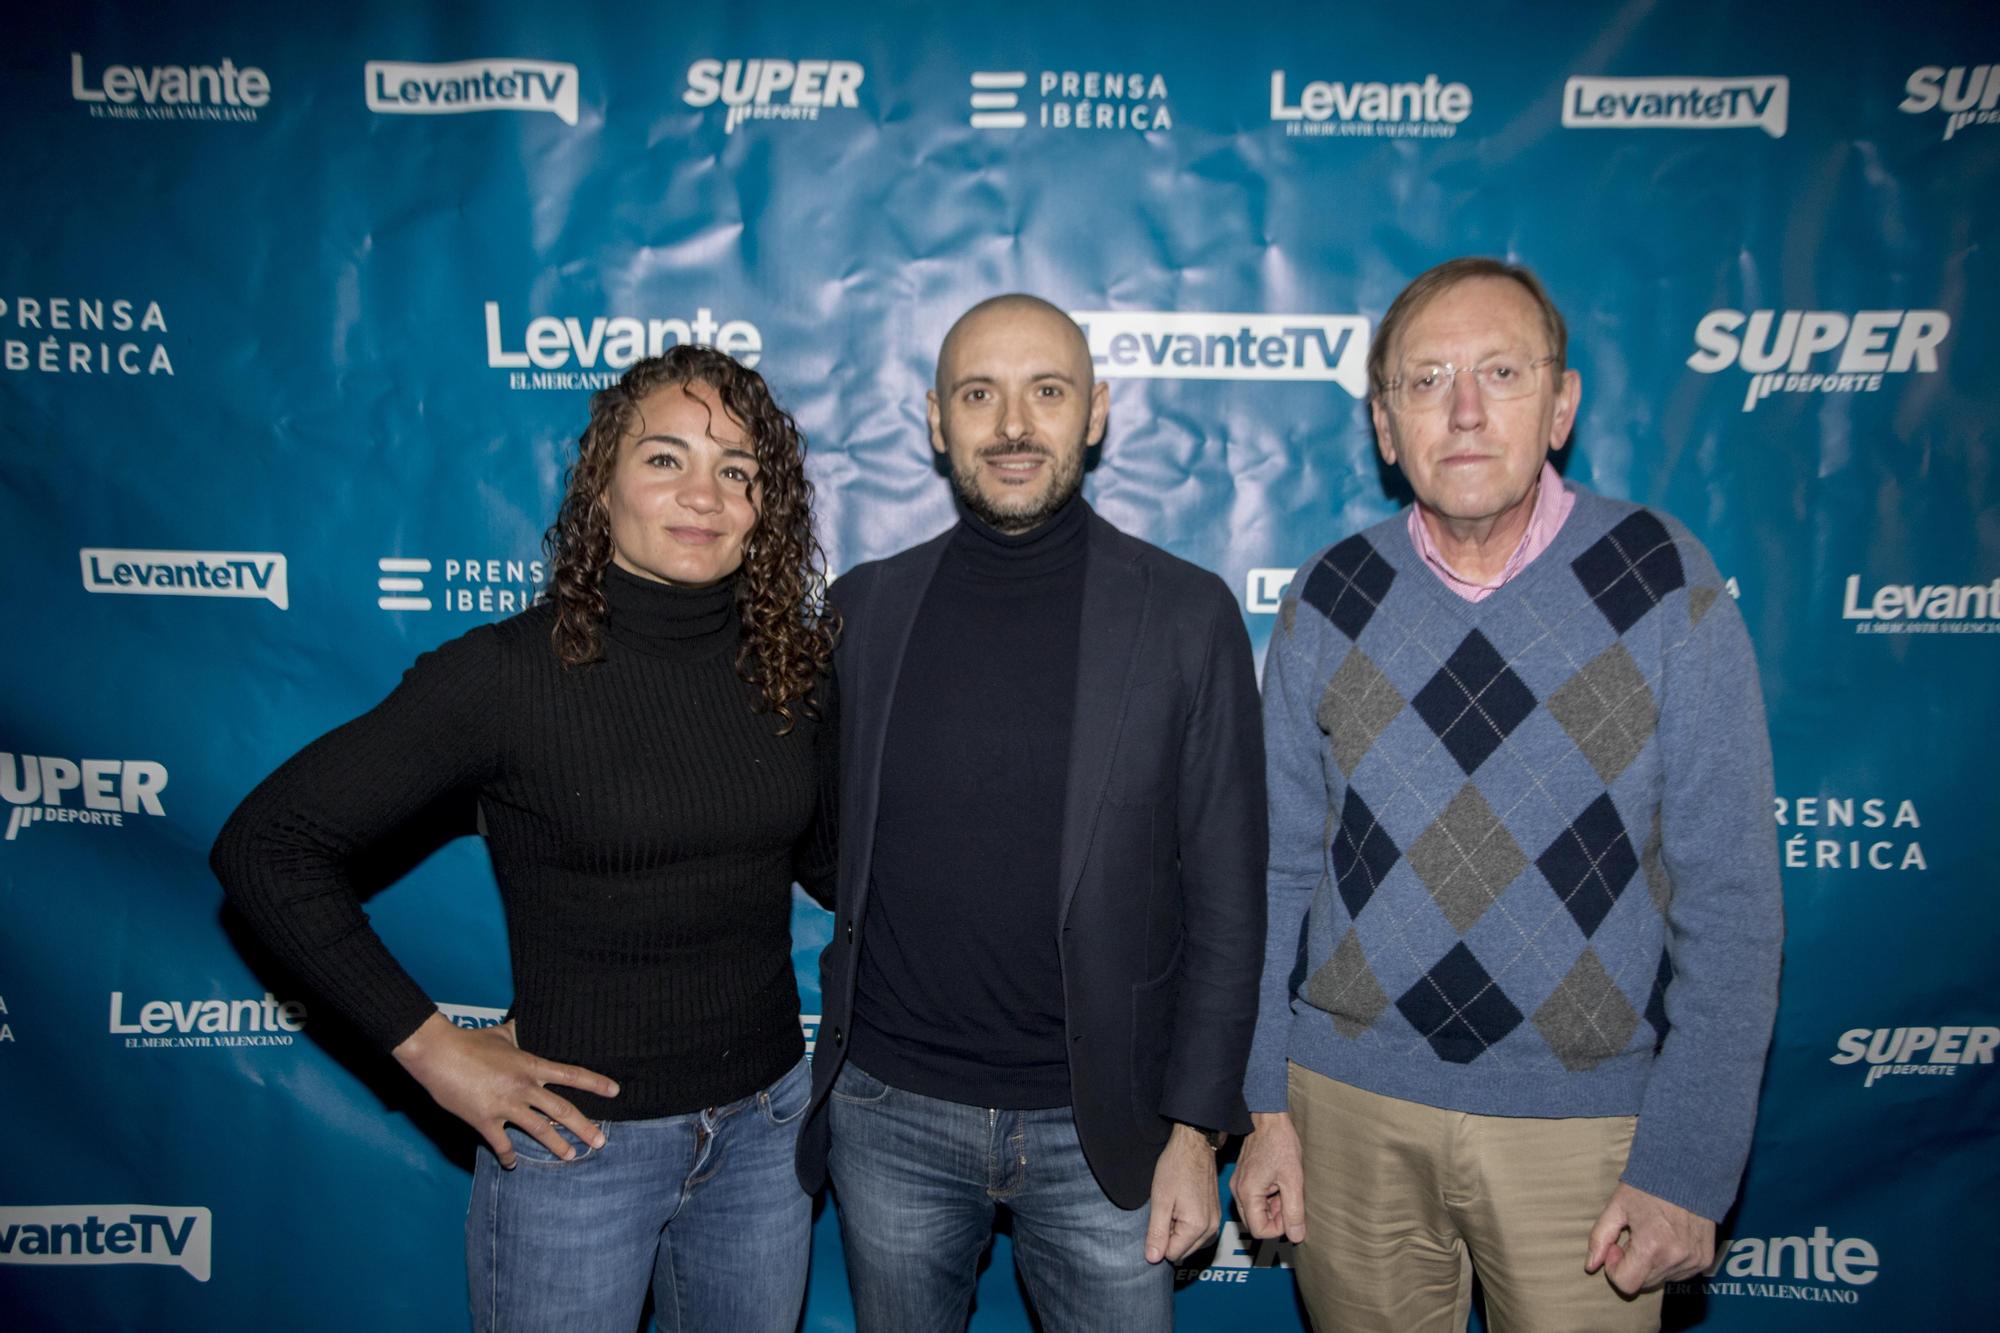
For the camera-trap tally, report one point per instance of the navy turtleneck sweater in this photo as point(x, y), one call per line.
point(645, 820)
point(959, 991)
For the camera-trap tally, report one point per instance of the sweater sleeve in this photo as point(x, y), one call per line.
point(1298, 804)
point(288, 857)
point(1724, 918)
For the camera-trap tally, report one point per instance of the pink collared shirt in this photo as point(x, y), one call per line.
point(1552, 505)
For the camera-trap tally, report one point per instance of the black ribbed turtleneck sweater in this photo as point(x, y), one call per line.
point(959, 991)
point(645, 822)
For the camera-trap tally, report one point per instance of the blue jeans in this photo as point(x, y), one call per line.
point(703, 1208)
point(917, 1180)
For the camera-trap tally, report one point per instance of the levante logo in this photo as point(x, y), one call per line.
point(403, 88)
point(1423, 109)
point(1177, 345)
point(1818, 1268)
point(1922, 608)
point(108, 1233)
point(187, 1024)
point(565, 352)
point(222, 91)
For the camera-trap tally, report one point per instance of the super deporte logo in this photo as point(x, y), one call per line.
point(108, 1233)
point(1966, 95)
point(1423, 109)
point(222, 91)
point(1182, 345)
point(767, 88)
point(45, 789)
point(1790, 351)
point(406, 88)
point(1928, 1051)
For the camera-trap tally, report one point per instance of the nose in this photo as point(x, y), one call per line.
point(1468, 405)
point(699, 494)
point(1013, 418)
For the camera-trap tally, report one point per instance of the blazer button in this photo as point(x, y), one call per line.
point(838, 1038)
point(850, 930)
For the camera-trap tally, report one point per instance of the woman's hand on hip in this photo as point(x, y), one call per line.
point(485, 1079)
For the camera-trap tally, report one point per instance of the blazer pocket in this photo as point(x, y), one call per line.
point(1153, 1035)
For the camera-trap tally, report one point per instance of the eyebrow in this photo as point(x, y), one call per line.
point(728, 451)
point(1062, 376)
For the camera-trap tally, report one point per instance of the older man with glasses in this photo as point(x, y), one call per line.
point(1524, 913)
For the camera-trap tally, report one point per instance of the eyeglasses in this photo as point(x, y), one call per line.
point(1430, 383)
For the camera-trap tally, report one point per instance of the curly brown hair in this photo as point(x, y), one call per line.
point(788, 630)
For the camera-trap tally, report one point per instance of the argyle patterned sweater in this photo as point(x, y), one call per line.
point(1522, 859)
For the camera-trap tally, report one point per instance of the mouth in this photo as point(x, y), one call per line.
point(694, 536)
point(1014, 466)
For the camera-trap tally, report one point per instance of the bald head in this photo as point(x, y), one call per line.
point(1059, 337)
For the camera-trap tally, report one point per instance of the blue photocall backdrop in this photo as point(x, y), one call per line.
point(300, 308)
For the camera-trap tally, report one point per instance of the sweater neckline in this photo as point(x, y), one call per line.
point(1581, 528)
point(668, 621)
point(984, 550)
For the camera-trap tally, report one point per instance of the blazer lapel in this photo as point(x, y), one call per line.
point(892, 614)
point(1116, 591)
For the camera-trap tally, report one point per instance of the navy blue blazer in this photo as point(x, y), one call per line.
point(1164, 844)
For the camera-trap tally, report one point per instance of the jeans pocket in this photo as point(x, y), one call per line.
point(528, 1150)
point(785, 1101)
point(857, 1086)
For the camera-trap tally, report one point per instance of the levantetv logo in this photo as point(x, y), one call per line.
point(1761, 101)
point(108, 1233)
point(256, 574)
point(1175, 345)
point(402, 88)
point(1778, 348)
point(222, 91)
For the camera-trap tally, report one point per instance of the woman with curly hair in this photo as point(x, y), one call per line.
point(649, 748)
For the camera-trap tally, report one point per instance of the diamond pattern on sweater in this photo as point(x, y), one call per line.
point(1348, 583)
point(1586, 1019)
point(1607, 710)
point(1358, 703)
point(1346, 988)
point(1466, 858)
point(1629, 569)
point(1656, 1003)
point(1590, 863)
point(1363, 851)
point(1458, 1008)
point(1474, 702)
point(1699, 600)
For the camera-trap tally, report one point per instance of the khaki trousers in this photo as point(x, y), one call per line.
point(1405, 1201)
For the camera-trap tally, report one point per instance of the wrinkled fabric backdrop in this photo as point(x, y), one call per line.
point(299, 315)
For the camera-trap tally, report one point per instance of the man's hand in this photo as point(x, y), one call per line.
point(1667, 1242)
point(1269, 1184)
point(485, 1079)
point(1186, 1207)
